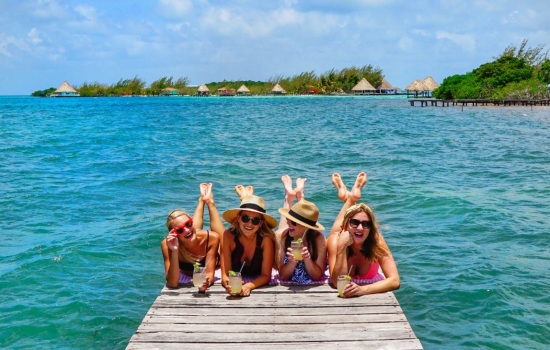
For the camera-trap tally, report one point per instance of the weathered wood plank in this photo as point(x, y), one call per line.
point(276, 311)
point(395, 344)
point(275, 319)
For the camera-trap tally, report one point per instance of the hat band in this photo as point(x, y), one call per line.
point(301, 218)
point(252, 206)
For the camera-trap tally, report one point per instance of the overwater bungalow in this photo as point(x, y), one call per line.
point(387, 88)
point(430, 84)
point(203, 90)
point(169, 91)
point(65, 90)
point(363, 87)
point(223, 91)
point(243, 90)
point(278, 90)
point(418, 88)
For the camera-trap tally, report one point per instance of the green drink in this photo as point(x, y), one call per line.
point(199, 276)
point(343, 281)
point(297, 246)
point(235, 282)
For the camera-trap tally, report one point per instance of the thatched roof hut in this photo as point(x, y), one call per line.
point(203, 90)
point(430, 83)
point(169, 91)
point(363, 87)
point(277, 89)
point(65, 90)
point(223, 91)
point(243, 90)
point(417, 85)
point(385, 85)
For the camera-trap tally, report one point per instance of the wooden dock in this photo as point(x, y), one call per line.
point(430, 102)
point(273, 318)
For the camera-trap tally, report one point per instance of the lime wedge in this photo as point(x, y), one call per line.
point(231, 273)
point(299, 240)
point(196, 267)
point(348, 278)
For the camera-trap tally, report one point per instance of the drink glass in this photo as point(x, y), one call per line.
point(199, 277)
point(297, 249)
point(236, 283)
point(343, 281)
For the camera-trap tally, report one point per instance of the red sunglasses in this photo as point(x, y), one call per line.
point(188, 224)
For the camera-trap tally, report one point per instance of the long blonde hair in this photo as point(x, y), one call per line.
point(183, 254)
point(373, 248)
point(264, 231)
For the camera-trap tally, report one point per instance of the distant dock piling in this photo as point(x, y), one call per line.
point(477, 102)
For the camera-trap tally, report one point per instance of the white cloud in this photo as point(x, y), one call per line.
point(465, 41)
point(175, 8)
point(7, 41)
point(33, 36)
point(405, 43)
point(47, 9)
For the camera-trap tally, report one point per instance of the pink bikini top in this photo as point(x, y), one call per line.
point(373, 270)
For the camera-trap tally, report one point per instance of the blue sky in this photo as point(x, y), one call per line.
point(44, 42)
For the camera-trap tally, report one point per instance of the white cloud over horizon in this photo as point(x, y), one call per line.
point(44, 42)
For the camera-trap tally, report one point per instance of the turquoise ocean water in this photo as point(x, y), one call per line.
point(463, 196)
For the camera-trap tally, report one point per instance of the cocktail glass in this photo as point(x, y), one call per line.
point(236, 283)
point(343, 281)
point(199, 276)
point(297, 249)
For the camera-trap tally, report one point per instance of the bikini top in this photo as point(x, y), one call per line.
point(251, 268)
point(371, 273)
point(188, 266)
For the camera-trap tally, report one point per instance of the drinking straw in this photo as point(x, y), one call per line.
point(242, 266)
point(350, 269)
point(205, 265)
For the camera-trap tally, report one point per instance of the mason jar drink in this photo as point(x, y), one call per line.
point(343, 281)
point(199, 276)
point(297, 249)
point(235, 282)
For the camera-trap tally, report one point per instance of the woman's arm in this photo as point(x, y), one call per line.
point(211, 256)
point(337, 255)
point(171, 263)
point(268, 252)
point(316, 269)
point(227, 246)
point(286, 270)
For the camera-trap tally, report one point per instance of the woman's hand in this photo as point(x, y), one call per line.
point(205, 285)
point(245, 291)
point(344, 240)
point(172, 241)
point(290, 256)
point(352, 290)
point(305, 253)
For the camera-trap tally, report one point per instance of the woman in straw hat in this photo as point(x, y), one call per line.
point(187, 243)
point(300, 222)
point(249, 244)
point(356, 247)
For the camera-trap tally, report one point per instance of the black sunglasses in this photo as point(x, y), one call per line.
point(255, 221)
point(355, 223)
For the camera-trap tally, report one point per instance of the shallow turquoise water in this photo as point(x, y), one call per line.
point(464, 198)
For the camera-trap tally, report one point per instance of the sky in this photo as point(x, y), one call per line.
point(45, 42)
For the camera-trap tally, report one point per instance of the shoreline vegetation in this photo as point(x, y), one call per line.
point(333, 81)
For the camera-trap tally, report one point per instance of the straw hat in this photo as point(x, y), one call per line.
point(305, 213)
point(250, 203)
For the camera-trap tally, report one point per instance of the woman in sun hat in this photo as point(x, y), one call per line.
point(187, 243)
point(355, 245)
point(249, 244)
point(300, 222)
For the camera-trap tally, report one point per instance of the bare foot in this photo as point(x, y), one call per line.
point(249, 190)
point(202, 187)
point(287, 183)
point(240, 191)
point(359, 183)
point(342, 190)
point(300, 184)
point(208, 196)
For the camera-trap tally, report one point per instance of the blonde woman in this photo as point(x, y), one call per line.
point(248, 244)
point(187, 243)
point(356, 246)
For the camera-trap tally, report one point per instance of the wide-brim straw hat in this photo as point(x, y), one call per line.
point(250, 203)
point(305, 213)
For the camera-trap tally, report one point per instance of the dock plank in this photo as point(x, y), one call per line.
point(304, 317)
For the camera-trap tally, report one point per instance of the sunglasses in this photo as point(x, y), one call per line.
point(355, 223)
point(255, 221)
point(293, 223)
point(188, 224)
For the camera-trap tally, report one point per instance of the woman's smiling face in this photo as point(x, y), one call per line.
point(359, 233)
point(180, 222)
point(248, 222)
